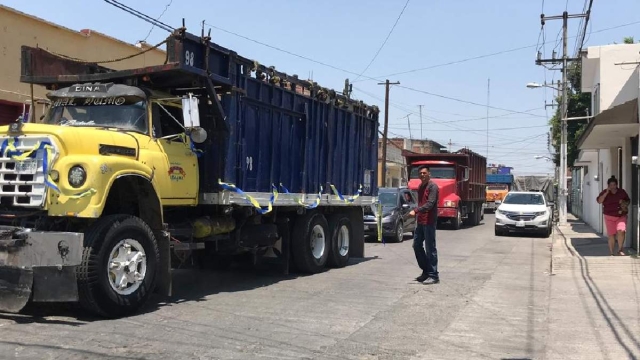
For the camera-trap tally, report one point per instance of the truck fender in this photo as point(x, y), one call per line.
point(137, 195)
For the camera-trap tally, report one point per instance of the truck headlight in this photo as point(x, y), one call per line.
point(77, 176)
point(449, 203)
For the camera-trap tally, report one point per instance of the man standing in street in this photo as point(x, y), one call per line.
point(424, 241)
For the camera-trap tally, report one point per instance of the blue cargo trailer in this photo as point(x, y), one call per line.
point(499, 179)
point(285, 168)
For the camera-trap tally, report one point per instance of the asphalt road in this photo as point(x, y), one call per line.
point(492, 303)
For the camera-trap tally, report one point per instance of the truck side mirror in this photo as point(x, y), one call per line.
point(466, 174)
point(190, 112)
point(191, 116)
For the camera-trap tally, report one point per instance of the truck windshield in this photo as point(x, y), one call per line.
point(524, 199)
point(436, 173)
point(126, 114)
point(498, 187)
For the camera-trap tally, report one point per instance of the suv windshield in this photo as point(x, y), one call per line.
point(436, 173)
point(388, 198)
point(120, 112)
point(524, 199)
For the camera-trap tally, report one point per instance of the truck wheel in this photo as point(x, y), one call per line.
point(310, 243)
point(119, 262)
point(341, 234)
point(457, 221)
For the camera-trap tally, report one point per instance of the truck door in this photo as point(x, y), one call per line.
point(178, 172)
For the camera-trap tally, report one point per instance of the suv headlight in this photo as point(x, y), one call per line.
point(540, 213)
point(77, 176)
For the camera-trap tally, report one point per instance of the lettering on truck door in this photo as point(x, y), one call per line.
point(178, 173)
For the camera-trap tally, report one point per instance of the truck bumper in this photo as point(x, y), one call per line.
point(37, 265)
point(447, 213)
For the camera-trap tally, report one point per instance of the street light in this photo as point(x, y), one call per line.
point(535, 85)
point(562, 198)
point(538, 157)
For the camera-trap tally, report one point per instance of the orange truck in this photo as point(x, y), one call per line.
point(498, 185)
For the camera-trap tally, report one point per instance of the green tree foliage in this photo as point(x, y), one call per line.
point(629, 40)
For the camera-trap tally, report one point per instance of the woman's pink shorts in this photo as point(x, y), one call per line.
point(615, 224)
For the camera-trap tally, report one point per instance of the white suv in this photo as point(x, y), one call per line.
point(524, 211)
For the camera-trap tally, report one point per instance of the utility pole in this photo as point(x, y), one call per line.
point(386, 130)
point(562, 196)
point(488, 97)
point(409, 124)
point(420, 107)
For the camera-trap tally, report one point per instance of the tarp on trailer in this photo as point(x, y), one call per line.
point(540, 183)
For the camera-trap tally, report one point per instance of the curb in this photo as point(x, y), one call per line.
point(569, 246)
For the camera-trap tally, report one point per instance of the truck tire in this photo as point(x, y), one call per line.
point(341, 234)
point(310, 243)
point(106, 285)
point(457, 221)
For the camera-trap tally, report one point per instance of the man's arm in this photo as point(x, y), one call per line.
point(431, 200)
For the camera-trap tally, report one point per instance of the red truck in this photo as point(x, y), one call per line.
point(460, 176)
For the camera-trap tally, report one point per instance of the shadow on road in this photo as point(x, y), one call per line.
point(189, 285)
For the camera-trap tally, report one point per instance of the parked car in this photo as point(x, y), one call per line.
point(396, 206)
point(524, 211)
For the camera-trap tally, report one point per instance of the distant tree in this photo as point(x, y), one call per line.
point(629, 40)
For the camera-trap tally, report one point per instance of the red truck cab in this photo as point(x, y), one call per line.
point(460, 177)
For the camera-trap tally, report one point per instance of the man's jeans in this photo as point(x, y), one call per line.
point(424, 245)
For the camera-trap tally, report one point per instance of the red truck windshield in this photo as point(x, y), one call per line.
point(436, 173)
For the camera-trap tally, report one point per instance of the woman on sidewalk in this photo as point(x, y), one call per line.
point(615, 203)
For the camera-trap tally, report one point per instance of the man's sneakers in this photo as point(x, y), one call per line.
point(431, 281)
point(425, 279)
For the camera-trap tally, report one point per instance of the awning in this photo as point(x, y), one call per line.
point(609, 127)
point(586, 157)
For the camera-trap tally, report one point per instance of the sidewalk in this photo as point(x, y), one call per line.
point(594, 307)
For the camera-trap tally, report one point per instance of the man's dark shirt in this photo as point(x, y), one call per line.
point(427, 210)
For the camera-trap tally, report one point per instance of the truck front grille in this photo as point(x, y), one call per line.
point(22, 182)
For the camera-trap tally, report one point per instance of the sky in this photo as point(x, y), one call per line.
point(436, 49)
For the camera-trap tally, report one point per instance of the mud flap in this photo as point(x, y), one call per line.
point(15, 288)
point(42, 263)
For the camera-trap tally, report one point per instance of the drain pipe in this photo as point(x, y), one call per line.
point(634, 162)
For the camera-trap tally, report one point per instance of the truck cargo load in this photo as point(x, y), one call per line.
point(461, 179)
point(542, 183)
point(208, 156)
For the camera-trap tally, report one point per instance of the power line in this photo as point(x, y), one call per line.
point(465, 101)
point(383, 43)
point(475, 130)
point(397, 105)
point(158, 18)
point(496, 53)
point(378, 79)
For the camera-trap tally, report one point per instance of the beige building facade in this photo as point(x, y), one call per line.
point(18, 28)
